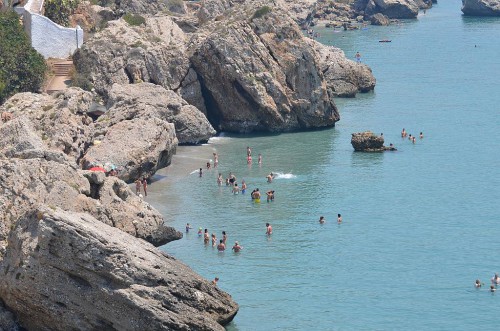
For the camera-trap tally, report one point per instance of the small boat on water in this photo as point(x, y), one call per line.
point(385, 41)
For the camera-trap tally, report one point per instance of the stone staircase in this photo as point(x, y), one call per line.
point(61, 79)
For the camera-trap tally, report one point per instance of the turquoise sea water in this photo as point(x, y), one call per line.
point(420, 224)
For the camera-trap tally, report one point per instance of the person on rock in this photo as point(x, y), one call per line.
point(137, 186)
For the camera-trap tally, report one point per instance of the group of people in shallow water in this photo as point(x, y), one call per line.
point(221, 246)
point(495, 281)
point(322, 219)
point(411, 138)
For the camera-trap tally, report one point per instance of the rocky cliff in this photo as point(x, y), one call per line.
point(481, 7)
point(76, 247)
point(243, 64)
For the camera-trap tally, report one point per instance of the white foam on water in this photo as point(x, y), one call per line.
point(280, 175)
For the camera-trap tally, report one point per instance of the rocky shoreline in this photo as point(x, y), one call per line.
point(77, 248)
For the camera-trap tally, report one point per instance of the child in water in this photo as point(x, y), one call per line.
point(189, 227)
point(199, 232)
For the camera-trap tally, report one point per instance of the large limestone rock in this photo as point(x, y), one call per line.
point(149, 101)
point(60, 121)
point(154, 53)
point(367, 142)
point(343, 76)
point(68, 271)
point(392, 8)
point(481, 7)
point(31, 174)
point(260, 74)
point(379, 19)
point(137, 147)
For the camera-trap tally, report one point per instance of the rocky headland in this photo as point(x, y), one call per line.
point(77, 247)
point(481, 7)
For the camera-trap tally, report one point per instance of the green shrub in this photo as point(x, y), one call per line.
point(22, 69)
point(134, 20)
point(59, 11)
point(261, 12)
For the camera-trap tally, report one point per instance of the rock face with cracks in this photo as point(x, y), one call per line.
point(68, 271)
point(367, 142)
point(481, 7)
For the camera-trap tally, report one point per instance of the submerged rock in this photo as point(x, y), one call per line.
point(68, 271)
point(481, 7)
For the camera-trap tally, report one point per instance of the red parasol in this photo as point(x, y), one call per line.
point(97, 169)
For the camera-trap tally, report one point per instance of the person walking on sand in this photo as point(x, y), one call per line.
point(358, 57)
point(236, 248)
point(137, 186)
point(269, 229)
point(221, 247)
point(145, 186)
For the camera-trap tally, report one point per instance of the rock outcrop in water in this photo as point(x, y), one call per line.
point(392, 8)
point(481, 7)
point(367, 142)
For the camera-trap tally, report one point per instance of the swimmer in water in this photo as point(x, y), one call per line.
point(249, 159)
point(421, 135)
point(322, 220)
point(492, 288)
point(237, 247)
point(256, 194)
point(249, 151)
point(410, 137)
point(219, 179)
point(270, 196)
point(216, 160)
point(339, 218)
point(269, 229)
point(208, 165)
point(200, 232)
point(221, 247)
point(478, 283)
point(495, 280)
point(270, 177)
point(201, 172)
point(214, 240)
point(243, 186)
point(236, 189)
point(260, 158)
point(224, 237)
point(206, 237)
point(413, 140)
point(403, 133)
point(188, 227)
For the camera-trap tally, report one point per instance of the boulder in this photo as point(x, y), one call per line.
point(481, 7)
point(60, 121)
point(392, 8)
point(68, 271)
point(259, 73)
point(344, 77)
point(379, 19)
point(137, 147)
point(146, 100)
point(367, 142)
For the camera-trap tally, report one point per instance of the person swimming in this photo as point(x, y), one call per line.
point(256, 194)
point(339, 218)
point(236, 189)
point(200, 232)
point(322, 220)
point(236, 248)
point(188, 227)
point(495, 280)
point(269, 229)
point(219, 179)
point(221, 247)
point(224, 237)
point(478, 283)
point(206, 237)
point(270, 177)
point(270, 196)
point(243, 186)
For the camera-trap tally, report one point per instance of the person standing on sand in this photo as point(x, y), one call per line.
point(221, 247)
point(145, 186)
point(137, 186)
point(269, 229)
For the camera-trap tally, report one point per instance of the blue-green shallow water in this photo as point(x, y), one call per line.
point(420, 225)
